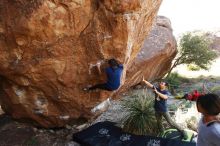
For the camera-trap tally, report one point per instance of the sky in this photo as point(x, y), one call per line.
point(190, 15)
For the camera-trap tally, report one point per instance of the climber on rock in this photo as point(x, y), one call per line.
point(113, 72)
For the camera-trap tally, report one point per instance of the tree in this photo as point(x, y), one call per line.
point(194, 49)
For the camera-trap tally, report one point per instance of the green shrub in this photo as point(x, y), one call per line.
point(172, 107)
point(215, 90)
point(193, 67)
point(140, 117)
point(174, 80)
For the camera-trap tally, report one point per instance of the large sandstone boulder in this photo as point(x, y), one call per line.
point(49, 50)
point(155, 58)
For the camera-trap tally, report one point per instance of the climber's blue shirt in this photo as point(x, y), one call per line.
point(114, 77)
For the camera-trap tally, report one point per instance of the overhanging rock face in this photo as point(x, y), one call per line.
point(49, 49)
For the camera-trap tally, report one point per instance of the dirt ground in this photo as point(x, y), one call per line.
point(14, 133)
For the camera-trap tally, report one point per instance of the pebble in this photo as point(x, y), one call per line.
point(41, 131)
point(68, 127)
point(72, 143)
point(35, 129)
point(80, 127)
point(51, 131)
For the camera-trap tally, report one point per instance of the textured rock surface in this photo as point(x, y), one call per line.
point(154, 59)
point(48, 50)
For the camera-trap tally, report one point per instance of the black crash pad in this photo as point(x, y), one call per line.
point(107, 134)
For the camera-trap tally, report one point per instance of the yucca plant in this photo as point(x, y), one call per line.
point(140, 116)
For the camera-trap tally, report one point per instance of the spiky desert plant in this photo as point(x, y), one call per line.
point(140, 116)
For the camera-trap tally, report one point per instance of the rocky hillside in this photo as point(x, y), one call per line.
point(216, 41)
